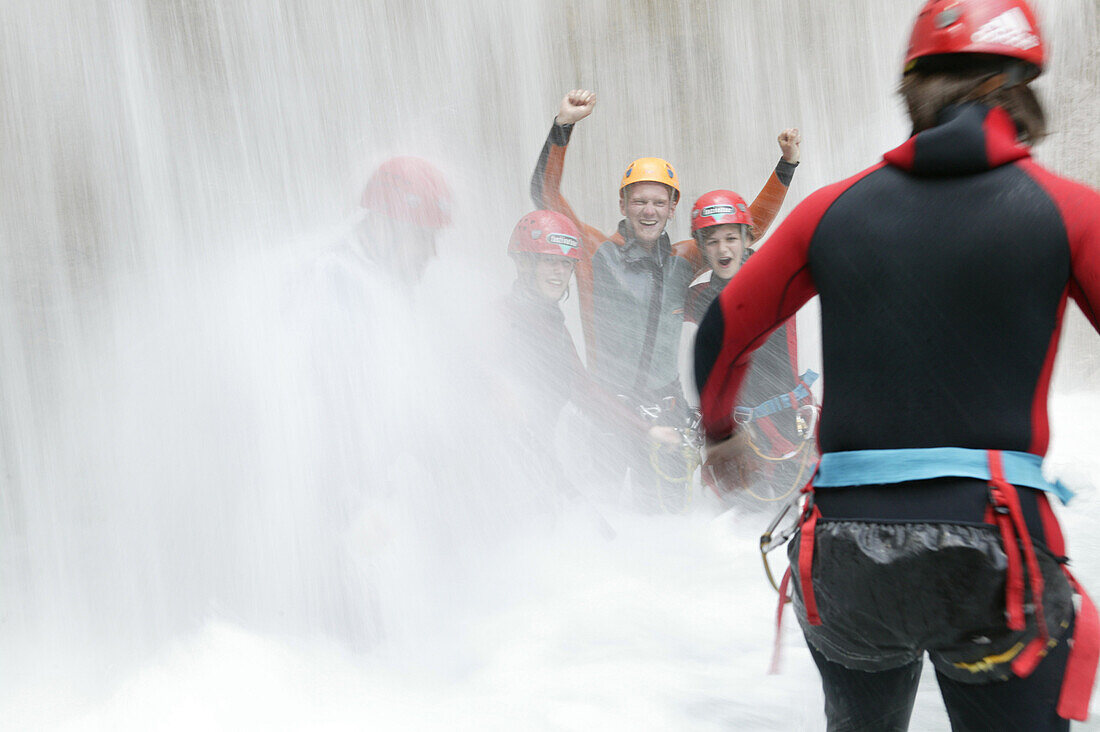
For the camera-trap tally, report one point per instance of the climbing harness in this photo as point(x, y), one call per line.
point(674, 466)
point(806, 416)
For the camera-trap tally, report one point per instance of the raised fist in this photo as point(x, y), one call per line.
point(789, 141)
point(575, 106)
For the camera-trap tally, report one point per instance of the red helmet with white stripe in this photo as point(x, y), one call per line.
point(546, 232)
point(992, 27)
point(717, 208)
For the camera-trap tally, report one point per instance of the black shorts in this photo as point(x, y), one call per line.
point(888, 590)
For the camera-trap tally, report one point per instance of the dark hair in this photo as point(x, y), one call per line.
point(746, 234)
point(939, 82)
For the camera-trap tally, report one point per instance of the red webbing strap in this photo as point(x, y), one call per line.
point(783, 600)
point(806, 564)
point(1005, 496)
point(1084, 651)
point(1014, 575)
point(1084, 655)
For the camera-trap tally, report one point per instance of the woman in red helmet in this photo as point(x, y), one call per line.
point(943, 274)
point(541, 363)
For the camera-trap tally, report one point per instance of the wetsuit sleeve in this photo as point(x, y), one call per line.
point(770, 199)
point(1079, 207)
point(546, 194)
point(1084, 285)
point(766, 291)
point(689, 250)
point(546, 185)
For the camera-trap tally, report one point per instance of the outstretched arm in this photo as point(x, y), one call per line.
point(546, 180)
point(770, 199)
point(546, 194)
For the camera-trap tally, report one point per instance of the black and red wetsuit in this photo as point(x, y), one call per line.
point(943, 273)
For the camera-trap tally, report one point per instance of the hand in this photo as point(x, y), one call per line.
point(665, 435)
point(728, 461)
point(575, 106)
point(789, 141)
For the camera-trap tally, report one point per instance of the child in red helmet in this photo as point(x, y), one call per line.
point(722, 228)
point(943, 274)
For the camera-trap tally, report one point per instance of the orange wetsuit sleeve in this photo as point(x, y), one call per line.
point(770, 199)
point(546, 194)
point(688, 250)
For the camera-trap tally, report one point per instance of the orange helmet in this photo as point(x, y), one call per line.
point(653, 170)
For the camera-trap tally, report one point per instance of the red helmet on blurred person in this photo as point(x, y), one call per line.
point(1005, 28)
point(717, 208)
point(546, 232)
point(411, 190)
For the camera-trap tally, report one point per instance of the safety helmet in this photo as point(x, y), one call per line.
point(717, 208)
point(411, 190)
point(654, 170)
point(1006, 28)
point(546, 232)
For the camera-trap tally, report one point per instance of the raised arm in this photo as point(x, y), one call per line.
point(546, 194)
point(546, 180)
point(770, 199)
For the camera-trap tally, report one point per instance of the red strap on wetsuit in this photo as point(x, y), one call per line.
point(1084, 652)
point(806, 559)
point(1014, 534)
point(1084, 655)
point(783, 600)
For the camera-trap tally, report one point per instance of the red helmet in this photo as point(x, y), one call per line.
point(994, 27)
point(717, 208)
point(546, 232)
point(411, 190)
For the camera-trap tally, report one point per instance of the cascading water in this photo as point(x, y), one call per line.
point(194, 534)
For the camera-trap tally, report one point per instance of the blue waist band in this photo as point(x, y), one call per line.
point(873, 467)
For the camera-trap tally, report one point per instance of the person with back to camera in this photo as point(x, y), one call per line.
point(943, 273)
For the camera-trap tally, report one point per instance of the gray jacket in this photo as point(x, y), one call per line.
point(638, 312)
